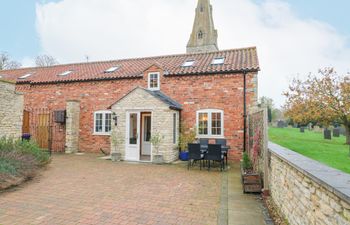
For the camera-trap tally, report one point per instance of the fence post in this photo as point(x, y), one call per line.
point(266, 152)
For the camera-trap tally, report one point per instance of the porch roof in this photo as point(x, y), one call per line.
point(157, 94)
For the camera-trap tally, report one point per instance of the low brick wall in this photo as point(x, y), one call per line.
point(308, 192)
point(11, 110)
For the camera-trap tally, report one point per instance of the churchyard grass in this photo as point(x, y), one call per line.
point(334, 153)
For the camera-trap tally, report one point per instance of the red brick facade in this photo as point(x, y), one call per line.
point(194, 92)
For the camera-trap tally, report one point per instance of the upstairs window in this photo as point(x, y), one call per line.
point(218, 61)
point(112, 69)
point(25, 76)
point(188, 63)
point(65, 73)
point(210, 123)
point(154, 81)
point(102, 122)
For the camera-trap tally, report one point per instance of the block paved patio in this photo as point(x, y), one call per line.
point(86, 190)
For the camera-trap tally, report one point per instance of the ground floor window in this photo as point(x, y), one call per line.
point(210, 122)
point(102, 122)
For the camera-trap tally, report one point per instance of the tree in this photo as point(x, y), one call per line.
point(6, 63)
point(324, 98)
point(45, 61)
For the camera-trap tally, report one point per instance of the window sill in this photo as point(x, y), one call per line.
point(101, 134)
point(211, 136)
point(154, 89)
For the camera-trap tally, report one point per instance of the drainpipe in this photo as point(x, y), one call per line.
point(244, 110)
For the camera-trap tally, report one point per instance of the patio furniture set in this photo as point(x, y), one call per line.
point(205, 153)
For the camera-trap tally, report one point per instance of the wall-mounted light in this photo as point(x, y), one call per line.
point(115, 118)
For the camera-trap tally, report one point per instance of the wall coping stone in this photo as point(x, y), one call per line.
point(335, 181)
point(7, 81)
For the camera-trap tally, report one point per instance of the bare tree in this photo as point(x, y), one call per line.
point(6, 63)
point(45, 60)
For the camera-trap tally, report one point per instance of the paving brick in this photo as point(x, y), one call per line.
point(87, 190)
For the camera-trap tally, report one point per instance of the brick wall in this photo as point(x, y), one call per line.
point(11, 110)
point(223, 92)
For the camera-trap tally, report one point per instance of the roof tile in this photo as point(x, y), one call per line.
point(235, 60)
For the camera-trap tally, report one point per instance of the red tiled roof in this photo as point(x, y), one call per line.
point(236, 60)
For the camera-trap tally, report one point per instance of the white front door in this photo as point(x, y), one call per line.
point(132, 152)
point(146, 134)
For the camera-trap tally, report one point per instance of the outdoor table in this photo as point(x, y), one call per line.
point(224, 150)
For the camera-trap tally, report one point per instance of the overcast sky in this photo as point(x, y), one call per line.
point(291, 40)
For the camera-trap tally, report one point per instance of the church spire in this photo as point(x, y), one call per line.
point(204, 36)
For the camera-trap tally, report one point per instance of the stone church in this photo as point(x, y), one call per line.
point(117, 106)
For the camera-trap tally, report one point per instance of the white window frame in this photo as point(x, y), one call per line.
point(209, 112)
point(24, 76)
point(218, 61)
point(158, 80)
point(188, 63)
point(103, 112)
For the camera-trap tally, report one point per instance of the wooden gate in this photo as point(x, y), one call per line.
point(40, 124)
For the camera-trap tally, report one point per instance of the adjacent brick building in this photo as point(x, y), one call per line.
point(210, 88)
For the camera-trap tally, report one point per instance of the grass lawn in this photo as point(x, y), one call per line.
point(333, 153)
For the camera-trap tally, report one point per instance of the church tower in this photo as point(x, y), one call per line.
point(204, 36)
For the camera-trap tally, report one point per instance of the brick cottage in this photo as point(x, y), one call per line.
point(118, 105)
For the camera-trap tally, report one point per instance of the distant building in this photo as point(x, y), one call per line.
point(204, 37)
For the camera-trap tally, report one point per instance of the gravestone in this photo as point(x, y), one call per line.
point(281, 124)
point(302, 129)
point(327, 134)
point(336, 132)
point(342, 131)
point(317, 129)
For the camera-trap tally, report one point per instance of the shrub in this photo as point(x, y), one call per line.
point(187, 136)
point(19, 160)
point(247, 163)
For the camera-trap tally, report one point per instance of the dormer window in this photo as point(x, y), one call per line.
point(25, 76)
point(154, 81)
point(112, 69)
point(188, 63)
point(66, 73)
point(218, 61)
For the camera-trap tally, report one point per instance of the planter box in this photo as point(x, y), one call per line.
point(251, 182)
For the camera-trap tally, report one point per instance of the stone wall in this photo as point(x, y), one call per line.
point(11, 110)
point(162, 122)
point(72, 126)
point(307, 192)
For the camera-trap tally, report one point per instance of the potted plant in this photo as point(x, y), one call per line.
point(251, 180)
point(186, 136)
point(156, 140)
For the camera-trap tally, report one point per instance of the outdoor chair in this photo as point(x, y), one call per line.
point(204, 143)
point(224, 147)
point(214, 154)
point(195, 154)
